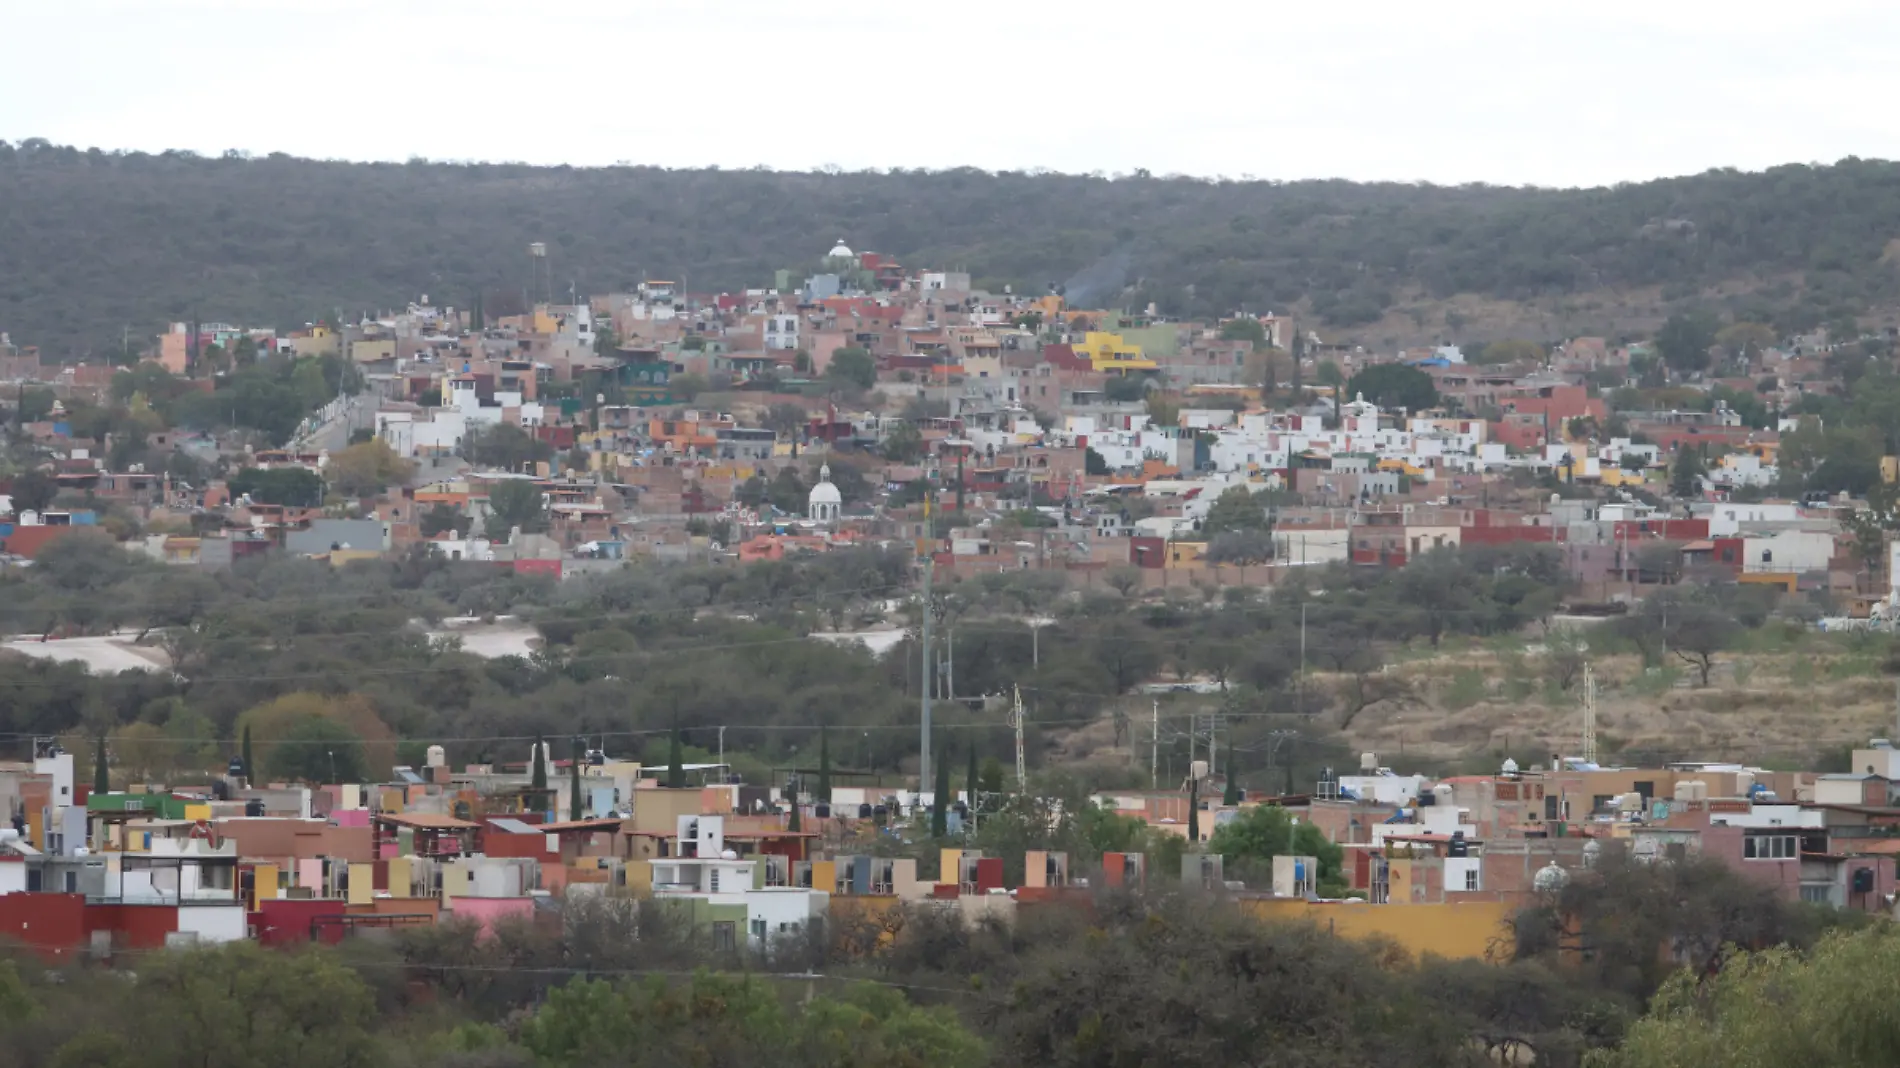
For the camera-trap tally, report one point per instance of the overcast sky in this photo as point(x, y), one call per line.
point(1553, 93)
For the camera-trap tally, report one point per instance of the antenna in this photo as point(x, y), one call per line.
point(1016, 721)
point(1589, 715)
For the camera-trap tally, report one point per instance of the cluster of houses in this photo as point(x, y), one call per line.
point(1013, 416)
point(1437, 864)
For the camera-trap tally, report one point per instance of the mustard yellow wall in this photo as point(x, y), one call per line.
point(1463, 930)
point(1185, 553)
point(400, 876)
point(263, 884)
point(362, 884)
point(198, 812)
point(656, 810)
point(640, 877)
point(824, 876)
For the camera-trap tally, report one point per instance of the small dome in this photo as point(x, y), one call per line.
point(1591, 851)
point(842, 250)
point(1550, 879)
point(824, 492)
point(1510, 766)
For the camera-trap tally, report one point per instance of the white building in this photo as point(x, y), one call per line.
point(824, 504)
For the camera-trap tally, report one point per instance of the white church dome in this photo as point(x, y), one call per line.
point(842, 250)
point(824, 492)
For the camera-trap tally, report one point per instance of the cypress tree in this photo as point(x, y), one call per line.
point(574, 803)
point(824, 765)
point(793, 824)
point(1232, 796)
point(969, 778)
point(1194, 811)
point(676, 762)
point(250, 769)
point(538, 780)
point(101, 780)
point(939, 824)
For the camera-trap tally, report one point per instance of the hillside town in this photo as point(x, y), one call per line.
point(1038, 436)
point(1132, 463)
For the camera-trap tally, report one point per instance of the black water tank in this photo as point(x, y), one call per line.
point(254, 807)
point(864, 812)
point(821, 810)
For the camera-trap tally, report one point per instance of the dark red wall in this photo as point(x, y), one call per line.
point(286, 921)
point(53, 924)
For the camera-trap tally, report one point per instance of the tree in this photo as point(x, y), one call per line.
point(687, 387)
point(101, 778)
point(515, 503)
point(904, 444)
point(1244, 328)
point(35, 404)
point(367, 469)
point(1395, 385)
point(293, 487)
point(1511, 350)
point(824, 765)
point(1775, 1006)
point(971, 782)
point(1685, 477)
point(1743, 341)
point(1236, 509)
point(1330, 376)
point(940, 799)
point(718, 1019)
point(852, 367)
point(577, 460)
point(1231, 797)
point(1251, 840)
point(1194, 812)
point(606, 344)
point(1243, 547)
point(576, 807)
point(786, 420)
point(250, 769)
point(1685, 340)
point(442, 518)
point(505, 447)
point(676, 760)
point(1164, 409)
point(319, 750)
point(33, 491)
point(538, 777)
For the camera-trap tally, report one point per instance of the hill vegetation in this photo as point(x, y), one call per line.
point(96, 244)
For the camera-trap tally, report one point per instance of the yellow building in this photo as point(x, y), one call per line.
point(1186, 553)
point(1111, 353)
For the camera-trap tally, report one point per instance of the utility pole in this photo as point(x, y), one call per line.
point(1589, 715)
point(722, 751)
point(1016, 721)
point(923, 758)
point(1154, 748)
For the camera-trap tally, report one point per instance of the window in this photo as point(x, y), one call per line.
point(1817, 894)
point(1770, 847)
point(1471, 878)
point(714, 888)
point(72, 882)
point(758, 930)
point(725, 934)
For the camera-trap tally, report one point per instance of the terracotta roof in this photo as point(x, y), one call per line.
point(433, 821)
point(601, 824)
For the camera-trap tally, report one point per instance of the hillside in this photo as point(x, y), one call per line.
point(93, 243)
